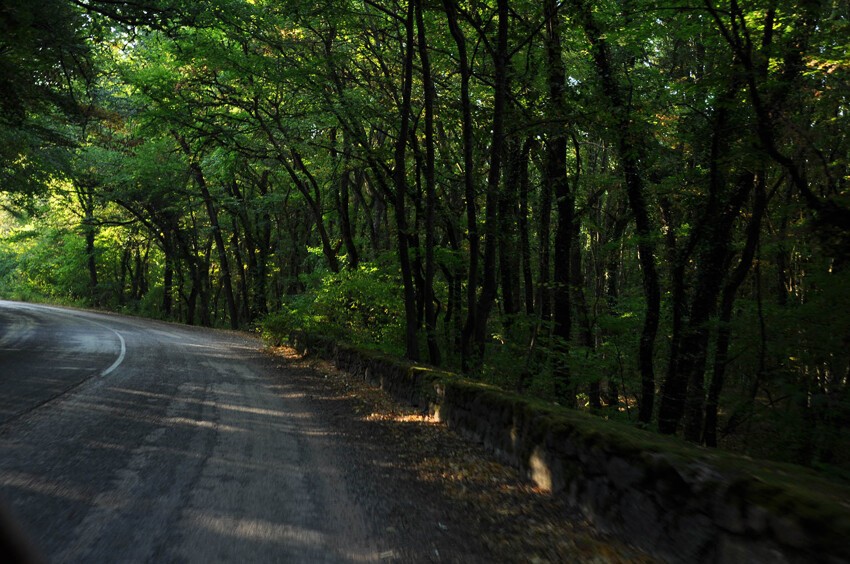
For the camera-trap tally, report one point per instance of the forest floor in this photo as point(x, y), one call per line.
point(479, 505)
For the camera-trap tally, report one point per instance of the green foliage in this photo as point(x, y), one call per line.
point(801, 396)
point(48, 264)
point(363, 307)
point(275, 125)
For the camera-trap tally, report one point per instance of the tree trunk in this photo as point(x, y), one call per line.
point(212, 213)
point(400, 185)
point(224, 262)
point(241, 270)
point(86, 201)
point(630, 149)
point(707, 248)
point(577, 292)
point(342, 204)
point(167, 278)
point(491, 227)
point(509, 264)
point(556, 176)
point(314, 200)
point(430, 193)
point(524, 235)
point(451, 9)
point(709, 434)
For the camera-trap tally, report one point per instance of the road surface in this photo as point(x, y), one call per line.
point(133, 440)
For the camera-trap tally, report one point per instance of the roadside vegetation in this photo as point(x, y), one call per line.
point(632, 209)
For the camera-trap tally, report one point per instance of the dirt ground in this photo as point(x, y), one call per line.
point(468, 507)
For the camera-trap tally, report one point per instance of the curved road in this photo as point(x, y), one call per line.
point(132, 440)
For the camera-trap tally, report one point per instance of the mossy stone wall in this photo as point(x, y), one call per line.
point(679, 502)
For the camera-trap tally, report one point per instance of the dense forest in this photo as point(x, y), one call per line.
point(640, 209)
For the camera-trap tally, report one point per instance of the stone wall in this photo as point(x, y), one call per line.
point(679, 502)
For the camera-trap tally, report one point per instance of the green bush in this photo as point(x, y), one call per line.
point(363, 306)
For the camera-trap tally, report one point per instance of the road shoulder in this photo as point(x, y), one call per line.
point(449, 500)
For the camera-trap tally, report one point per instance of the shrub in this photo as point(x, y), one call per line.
point(362, 306)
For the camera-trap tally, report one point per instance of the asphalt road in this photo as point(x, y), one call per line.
point(129, 440)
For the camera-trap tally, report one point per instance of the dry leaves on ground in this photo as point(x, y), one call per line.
point(516, 521)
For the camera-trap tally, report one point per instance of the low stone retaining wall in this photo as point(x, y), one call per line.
point(679, 502)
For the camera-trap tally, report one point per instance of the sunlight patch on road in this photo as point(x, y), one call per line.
point(39, 485)
point(203, 424)
point(218, 405)
point(256, 529)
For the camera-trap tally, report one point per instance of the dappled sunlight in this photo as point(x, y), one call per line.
point(218, 405)
point(151, 449)
point(241, 464)
point(212, 354)
point(220, 392)
point(285, 535)
point(417, 451)
point(101, 445)
point(148, 414)
point(203, 424)
point(285, 391)
point(240, 419)
point(196, 455)
point(252, 410)
point(218, 348)
point(255, 529)
point(40, 485)
point(118, 410)
point(401, 417)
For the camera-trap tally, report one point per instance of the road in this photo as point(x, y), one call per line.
point(133, 440)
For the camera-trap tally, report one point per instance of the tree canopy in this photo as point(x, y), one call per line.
point(629, 207)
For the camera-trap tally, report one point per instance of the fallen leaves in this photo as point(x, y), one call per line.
point(516, 521)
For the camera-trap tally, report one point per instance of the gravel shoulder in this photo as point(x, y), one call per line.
point(442, 498)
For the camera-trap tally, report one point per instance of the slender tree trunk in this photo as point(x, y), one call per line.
point(314, 200)
point(123, 270)
point(242, 271)
point(205, 308)
point(194, 268)
point(342, 204)
point(91, 261)
point(556, 176)
point(264, 234)
point(668, 420)
point(709, 434)
point(509, 259)
point(86, 201)
point(430, 193)
point(683, 391)
point(544, 238)
point(224, 262)
point(630, 149)
point(615, 227)
point(451, 9)
point(212, 213)
point(713, 264)
point(577, 283)
point(524, 236)
point(453, 320)
point(491, 236)
point(167, 278)
point(400, 185)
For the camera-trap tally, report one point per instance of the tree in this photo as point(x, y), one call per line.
point(551, 197)
point(632, 152)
